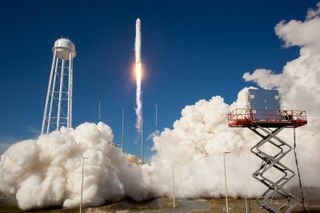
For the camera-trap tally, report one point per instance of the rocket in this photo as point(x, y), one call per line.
point(138, 72)
point(137, 46)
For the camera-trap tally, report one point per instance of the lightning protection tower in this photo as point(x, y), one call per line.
point(58, 106)
point(265, 118)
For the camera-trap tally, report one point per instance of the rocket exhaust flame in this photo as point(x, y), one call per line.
point(138, 73)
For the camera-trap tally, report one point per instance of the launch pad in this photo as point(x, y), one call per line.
point(264, 117)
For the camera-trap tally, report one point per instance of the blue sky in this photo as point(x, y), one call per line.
point(191, 50)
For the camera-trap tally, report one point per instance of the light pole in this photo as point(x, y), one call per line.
point(173, 188)
point(100, 104)
point(122, 129)
point(246, 203)
point(82, 172)
point(225, 179)
point(141, 128)
point(156, 110)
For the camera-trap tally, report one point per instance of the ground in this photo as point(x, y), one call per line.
point(163, 205)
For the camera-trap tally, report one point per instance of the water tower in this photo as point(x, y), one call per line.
point(58, 106)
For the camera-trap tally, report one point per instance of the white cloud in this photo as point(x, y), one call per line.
point(264, 78)
point(301, 33)
point(6, 142)
point(312, 13)
point(300, 78)
point(4, 147)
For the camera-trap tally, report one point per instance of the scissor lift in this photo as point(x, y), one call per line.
point(264, 117)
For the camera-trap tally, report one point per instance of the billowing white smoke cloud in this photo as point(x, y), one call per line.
point(47, 171)
point(299, 85)
point(195, 145)
point(299, 81)
point(198, 139)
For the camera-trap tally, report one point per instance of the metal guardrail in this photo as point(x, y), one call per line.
point(241, 117)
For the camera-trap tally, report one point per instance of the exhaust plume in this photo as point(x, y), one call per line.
point(138, 109)
point(138, 75)
point(47, 171)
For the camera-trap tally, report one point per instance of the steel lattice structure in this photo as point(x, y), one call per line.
point(58, 106)
point(267, 124)
point(269, 136)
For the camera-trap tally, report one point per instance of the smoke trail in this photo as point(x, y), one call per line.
point(138, 97)
point(137, 49)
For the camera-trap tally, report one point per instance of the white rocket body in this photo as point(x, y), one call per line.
point(137, 47)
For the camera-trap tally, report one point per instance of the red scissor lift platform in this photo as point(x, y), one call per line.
point(267, 124)
point(265, 118)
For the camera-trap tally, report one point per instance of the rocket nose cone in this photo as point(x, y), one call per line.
point(138, 21)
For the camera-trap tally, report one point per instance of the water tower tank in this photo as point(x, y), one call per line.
point(63, 47)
